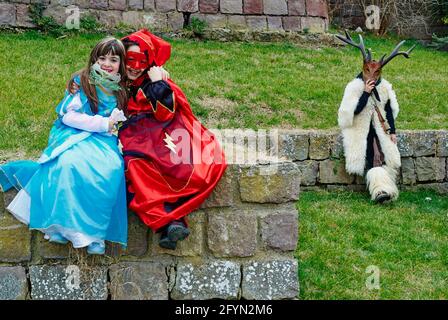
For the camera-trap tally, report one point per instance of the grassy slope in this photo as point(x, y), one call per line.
point(341, 234)
point(228, 84)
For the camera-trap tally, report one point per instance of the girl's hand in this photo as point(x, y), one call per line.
point(393, 137)
point(156, 74)
point(115, 117)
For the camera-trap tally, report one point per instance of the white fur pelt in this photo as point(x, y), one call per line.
point(355, 128)
point(382, 179)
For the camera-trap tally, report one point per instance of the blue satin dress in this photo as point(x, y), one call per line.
point(77, 187)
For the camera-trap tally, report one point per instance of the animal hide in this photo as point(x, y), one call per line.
point(355, 128)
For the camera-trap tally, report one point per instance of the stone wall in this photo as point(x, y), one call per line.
point(169, 15)
point(243, 237)
point(241, 246)
point(319, 156)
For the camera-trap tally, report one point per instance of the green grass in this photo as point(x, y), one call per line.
point(229, 85)
point(341, 234)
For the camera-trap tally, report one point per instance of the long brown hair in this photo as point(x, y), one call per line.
point(106, 46)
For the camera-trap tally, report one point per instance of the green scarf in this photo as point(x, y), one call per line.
point(103, 78)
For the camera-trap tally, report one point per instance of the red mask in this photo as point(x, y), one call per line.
point(136, 60)
point(158, 50)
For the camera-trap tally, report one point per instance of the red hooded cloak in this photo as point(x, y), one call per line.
point(172, 161)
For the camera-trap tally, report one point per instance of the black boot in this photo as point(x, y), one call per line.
point(382, 197)
point(177, 230)
point(165, 242)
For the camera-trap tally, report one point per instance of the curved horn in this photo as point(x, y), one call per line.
point(396, 53)
point(360, 46)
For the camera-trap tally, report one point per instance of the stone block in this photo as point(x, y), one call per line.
point(253, 7)
point(256, 22)
point(309, 172)
point(430, 169)
point(117, 5)
point(166, 5)
point(270, 280)
point(188, 5)
point(15, 238)
point(291, 23)
point(275, 7)
point(138, 281)
point(275, 23)
point(442, 144)
point(7, 14)
point(294, 146)
point(405, 143)
point(135, 4)
point(296, 7)
point(333, 171)
point(149, 5)
point(209, 6)
point(213, 280)
point(98, 4)
point(84, 4)
point(13, 283)
point(49, 250)
point(223, 194)
point(317, 8)
point(276, 183)
point(280, 230)
point(236, 22)
point(320, 144)
point(153, 21)
point(110, 18)
point(175, 21)
point(232, 233)
point(424, 143)
point(337, 147)
point(57, 12)
point(313, 24)
point(214, 20)
point(23, 18)
point(231, 6)
point(408, 171)
point(137, 236)
point(57, 282)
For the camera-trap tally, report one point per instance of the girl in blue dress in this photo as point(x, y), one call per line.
point(76, 190)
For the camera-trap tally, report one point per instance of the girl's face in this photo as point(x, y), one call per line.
point(109, 63)
point(136, 62)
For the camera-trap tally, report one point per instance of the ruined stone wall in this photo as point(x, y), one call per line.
point(243, 238)
point(169, 15)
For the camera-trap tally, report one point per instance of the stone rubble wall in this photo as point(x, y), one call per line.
point(243, 237)
point(241, 247)
point(168, 15)
point(320, 157)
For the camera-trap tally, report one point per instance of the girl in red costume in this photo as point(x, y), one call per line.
point(172, 161)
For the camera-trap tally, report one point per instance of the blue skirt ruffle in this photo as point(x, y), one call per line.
point(80, 194)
